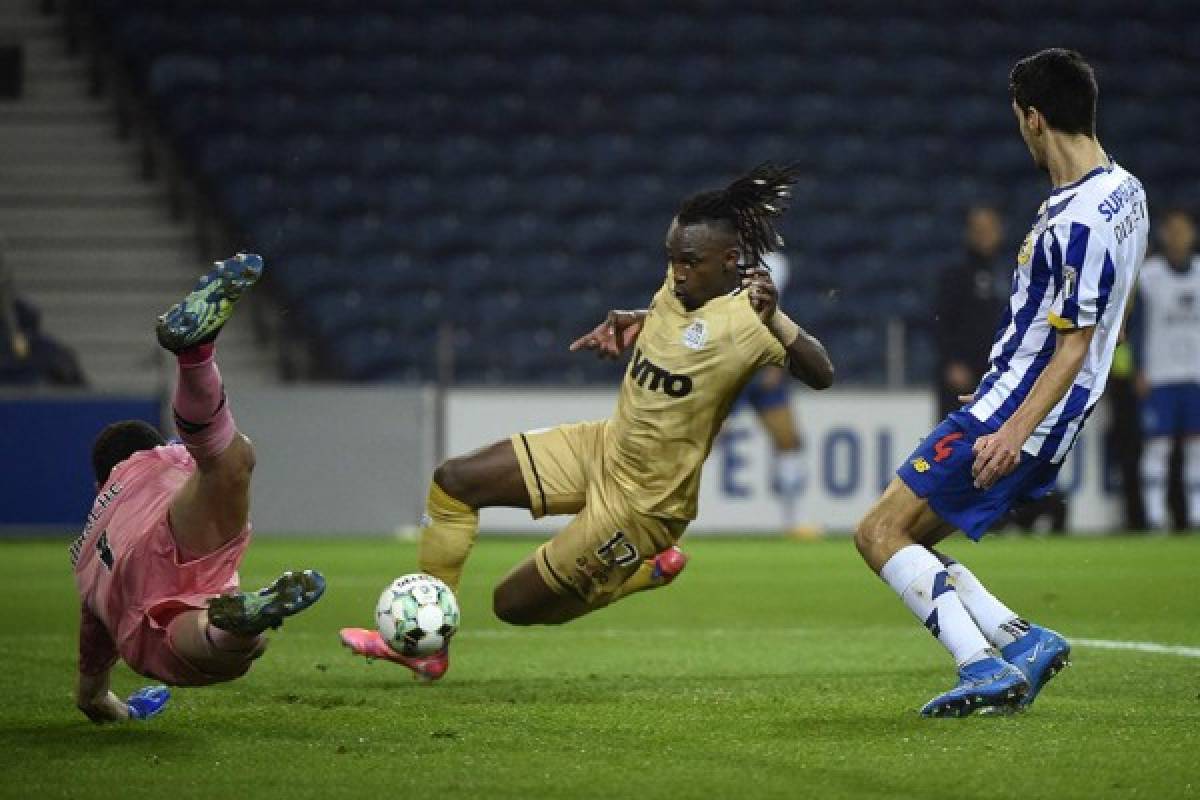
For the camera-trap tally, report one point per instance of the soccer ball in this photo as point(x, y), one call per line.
point(417, 614)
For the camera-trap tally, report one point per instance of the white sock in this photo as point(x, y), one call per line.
point(999, 623)
point(923, 584)
point(1155, 453)
point(1191, 480)
point(791, 473)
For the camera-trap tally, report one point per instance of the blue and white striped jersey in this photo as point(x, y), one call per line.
point(1077, 268)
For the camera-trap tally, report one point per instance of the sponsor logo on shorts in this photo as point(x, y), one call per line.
point(920, 464)
point(942, 449)
point(588, 575)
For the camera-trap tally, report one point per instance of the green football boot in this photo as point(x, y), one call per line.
point(251, 613)
point(199, 317)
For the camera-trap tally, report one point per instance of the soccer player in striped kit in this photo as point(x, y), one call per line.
point(1167, 342)
point(1047, 368)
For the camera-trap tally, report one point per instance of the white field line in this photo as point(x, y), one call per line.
point(663, 633)
point(1141, 647)
point(630, 634)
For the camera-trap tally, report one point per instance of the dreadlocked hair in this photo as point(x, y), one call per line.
point(750, 204)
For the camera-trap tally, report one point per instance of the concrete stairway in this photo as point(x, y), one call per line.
point(88, 241)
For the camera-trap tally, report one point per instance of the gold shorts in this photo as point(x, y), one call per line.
point(606, 542)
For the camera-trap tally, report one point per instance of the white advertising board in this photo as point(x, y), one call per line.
point(337, 460)
point(855, 441)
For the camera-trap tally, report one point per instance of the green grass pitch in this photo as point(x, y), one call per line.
point(770, 669)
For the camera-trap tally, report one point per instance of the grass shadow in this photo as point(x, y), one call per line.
point(63, 739)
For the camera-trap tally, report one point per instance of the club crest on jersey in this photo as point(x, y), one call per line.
point(1026, 251)
point(696, 335)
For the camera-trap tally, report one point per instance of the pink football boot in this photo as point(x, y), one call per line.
point(668, 564)
point(370, 645)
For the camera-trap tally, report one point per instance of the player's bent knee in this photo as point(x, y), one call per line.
point(241, 459)
point(515, 607)
point(223, 666)
point(249, 456)
point(194, 660)
point(863, 533)
point(509, 606)
point(455, 477)
point(873, 534)
point(230, 473)
point(524, 598)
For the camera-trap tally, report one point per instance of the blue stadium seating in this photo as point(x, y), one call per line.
point(511, 170)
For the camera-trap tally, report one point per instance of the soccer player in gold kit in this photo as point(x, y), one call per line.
point(631, 480)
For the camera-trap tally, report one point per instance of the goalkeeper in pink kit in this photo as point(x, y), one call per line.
point(156, 564)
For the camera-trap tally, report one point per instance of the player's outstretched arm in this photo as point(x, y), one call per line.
point(997, 454)
point(97, 654)
point(611, 338)
point(807, 359)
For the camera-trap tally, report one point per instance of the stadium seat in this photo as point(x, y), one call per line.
point(380, 148)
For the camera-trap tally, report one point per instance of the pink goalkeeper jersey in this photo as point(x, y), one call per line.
point(127, 566)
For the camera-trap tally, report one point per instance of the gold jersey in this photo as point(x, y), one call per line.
point(686, 371)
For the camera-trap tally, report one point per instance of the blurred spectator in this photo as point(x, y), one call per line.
point(1047, 514)
point(15, 364)
point(971, 296)
point(769, 394)
point(26, 355)
point(1166, 336)
point(1123, 437)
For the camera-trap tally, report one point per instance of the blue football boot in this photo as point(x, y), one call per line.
point(148, 702)
point(990, 683)
point(199, 317)
point(251, 613)
point(1039, 655)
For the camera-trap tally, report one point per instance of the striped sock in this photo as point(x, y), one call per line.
point(999, 623)
point(925, 587)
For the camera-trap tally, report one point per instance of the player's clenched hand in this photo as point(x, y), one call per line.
point(104, 708)
point(764, 297)
point(610, 338)
point(996, 455)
